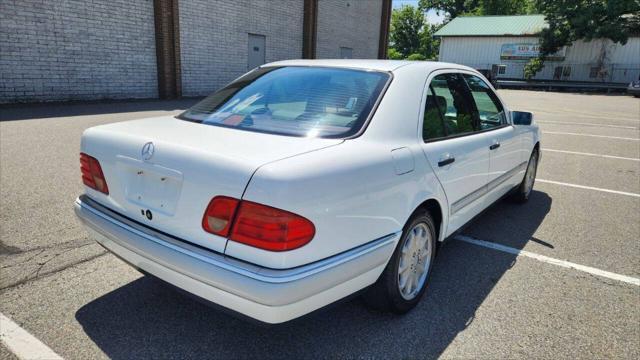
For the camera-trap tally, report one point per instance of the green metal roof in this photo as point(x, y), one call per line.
point(516, 25)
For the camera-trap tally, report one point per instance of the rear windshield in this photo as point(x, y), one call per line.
point(295, 101)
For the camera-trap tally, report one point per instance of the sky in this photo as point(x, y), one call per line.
point(432, 17)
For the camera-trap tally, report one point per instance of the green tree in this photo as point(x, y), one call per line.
point(454, 8)
point(393, 54)
point(416, 57)
point(572, 20)
point(451, 8)
point(506, 7)
point(410, 34)
point(406, 24)
point(429, 45)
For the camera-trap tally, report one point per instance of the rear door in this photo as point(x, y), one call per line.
point(504, 154)
point(456, 149)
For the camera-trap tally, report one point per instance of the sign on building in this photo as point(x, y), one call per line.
point(526, 51)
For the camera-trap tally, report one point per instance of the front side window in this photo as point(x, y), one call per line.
point(490, 111)
point(295, 101)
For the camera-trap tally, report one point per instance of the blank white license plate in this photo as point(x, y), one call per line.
point(151, 186)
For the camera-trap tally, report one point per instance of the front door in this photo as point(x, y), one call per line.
point(505, 168)
point(256, 51)
point(456, 149)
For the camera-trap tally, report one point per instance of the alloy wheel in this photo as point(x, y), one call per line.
point(530, 176)
point(414, 261)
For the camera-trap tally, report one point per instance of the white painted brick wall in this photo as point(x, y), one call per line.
point(348, 23)
point(214, 38)
point(76, 50)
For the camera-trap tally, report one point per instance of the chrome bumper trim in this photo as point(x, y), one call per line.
point(267, 275)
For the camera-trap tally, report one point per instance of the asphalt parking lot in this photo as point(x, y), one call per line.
point(575, 293)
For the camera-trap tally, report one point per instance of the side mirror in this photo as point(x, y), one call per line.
point(521, 117)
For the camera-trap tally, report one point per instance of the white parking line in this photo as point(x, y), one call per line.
point(549, 260)
point(588, 187)
point(591, 154)
point(590, 135)
point(586, 124)
point(23, 344)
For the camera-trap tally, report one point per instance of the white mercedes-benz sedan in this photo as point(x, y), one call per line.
point(305, 181)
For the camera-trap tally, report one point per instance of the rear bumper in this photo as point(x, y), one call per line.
point(267, 295)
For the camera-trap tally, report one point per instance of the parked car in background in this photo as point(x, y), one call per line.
point(634, 88)
point(305, 181)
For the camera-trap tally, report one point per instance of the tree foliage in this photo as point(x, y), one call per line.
point(411, 37)
point(506, 7)
point(429, 45)
point(406, 24)
point(393, 54)
point(454, 8)
point(451, 8)
point(532, 67)
point(572, 20)
point(416, 57)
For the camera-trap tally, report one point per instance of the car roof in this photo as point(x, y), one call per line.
point(368, 64)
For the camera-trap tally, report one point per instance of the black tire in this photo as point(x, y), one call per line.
point(523, 192)
point(385, 294)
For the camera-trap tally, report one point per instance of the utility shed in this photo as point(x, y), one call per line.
point(500, 46)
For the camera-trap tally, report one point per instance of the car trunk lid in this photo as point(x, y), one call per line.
point(162, 172)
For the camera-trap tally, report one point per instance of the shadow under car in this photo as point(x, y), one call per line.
point(146, 319)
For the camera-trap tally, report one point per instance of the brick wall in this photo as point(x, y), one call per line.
point(353, 24)
point(52, 50)
point(76, 50)
point(214, 36)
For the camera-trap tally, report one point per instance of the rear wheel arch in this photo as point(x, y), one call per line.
point(433, 207)
point(388, 292)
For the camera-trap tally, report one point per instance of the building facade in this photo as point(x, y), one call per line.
point(502, 45)
point(116, 49)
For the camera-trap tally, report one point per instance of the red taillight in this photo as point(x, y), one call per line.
point(270, 228)
point(257, 225)
point(219, 215)
point(92, 175)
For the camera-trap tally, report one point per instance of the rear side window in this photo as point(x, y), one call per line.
point(296, 101)
point(451, 100)
point(434, 111)
point(490, 111)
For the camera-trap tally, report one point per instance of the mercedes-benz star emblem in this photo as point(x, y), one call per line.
point(147, 151)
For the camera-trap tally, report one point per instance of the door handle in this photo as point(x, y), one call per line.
point(494, 146)
point(446, 162)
